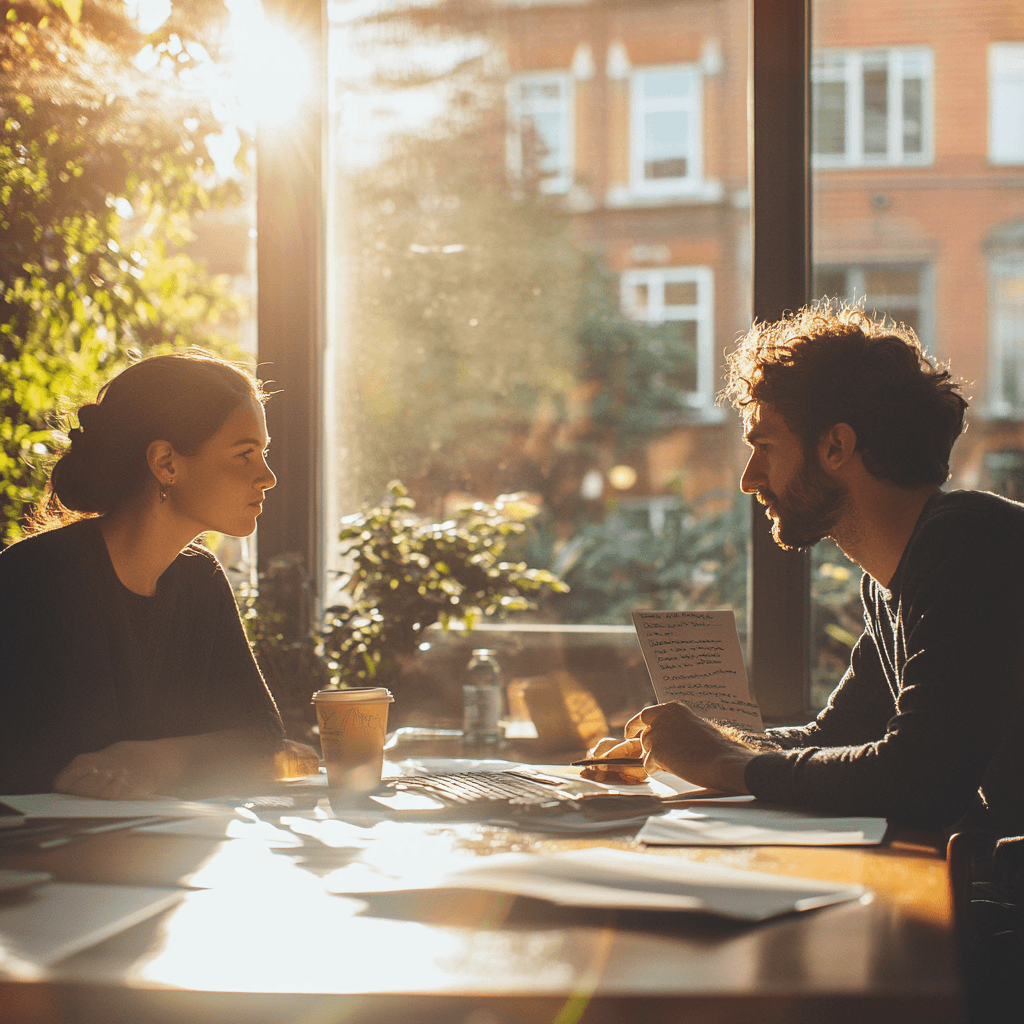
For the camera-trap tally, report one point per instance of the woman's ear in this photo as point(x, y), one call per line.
point(837, 446)
point(161, 458)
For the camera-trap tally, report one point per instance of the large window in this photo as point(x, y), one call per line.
point(872, 107)
point(1006, 103)
point(541, 131)
point(666, 131)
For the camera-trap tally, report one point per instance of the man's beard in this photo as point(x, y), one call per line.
point(809, 508)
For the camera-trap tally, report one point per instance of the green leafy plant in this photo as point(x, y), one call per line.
point(405, 574)
point(278, 630)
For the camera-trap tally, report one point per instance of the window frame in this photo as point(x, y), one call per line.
point(694, 179)
point(997, 76)
point(560, 183)
point(702, 312)
point(1007, 263)
point(852, 77)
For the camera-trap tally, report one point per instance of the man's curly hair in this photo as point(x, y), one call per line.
point(831, 363)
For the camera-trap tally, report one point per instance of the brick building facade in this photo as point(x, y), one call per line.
point(918, 186)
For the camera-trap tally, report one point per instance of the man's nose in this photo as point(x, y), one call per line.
point(752, 477)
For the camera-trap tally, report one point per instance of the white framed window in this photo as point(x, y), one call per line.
point(900, 291)
point(871, 107)
point(1006, 335)
point(541, 128)
point(1006, 103)
point(666, 132)
point(679, 303)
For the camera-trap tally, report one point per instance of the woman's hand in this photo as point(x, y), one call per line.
point(204, 764)
point(295, 760)
point(128, 770)
point(615, 773)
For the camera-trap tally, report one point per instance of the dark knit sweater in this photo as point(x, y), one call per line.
point(86, 663)
point(926, 725)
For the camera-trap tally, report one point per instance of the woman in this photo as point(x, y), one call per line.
point(126, 669)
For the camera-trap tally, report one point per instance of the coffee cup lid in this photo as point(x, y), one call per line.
point(356, 695)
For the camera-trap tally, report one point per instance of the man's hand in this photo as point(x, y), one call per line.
point(671, 736)
point(615, 774)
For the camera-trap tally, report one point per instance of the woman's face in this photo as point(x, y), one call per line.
point(221, 487)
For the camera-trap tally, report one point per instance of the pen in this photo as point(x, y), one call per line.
point(633, 762)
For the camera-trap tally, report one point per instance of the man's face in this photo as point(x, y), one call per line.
point(803, 502)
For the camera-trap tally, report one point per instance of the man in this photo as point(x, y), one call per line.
point(850, 428)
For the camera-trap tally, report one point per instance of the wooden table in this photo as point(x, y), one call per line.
point(256, 939)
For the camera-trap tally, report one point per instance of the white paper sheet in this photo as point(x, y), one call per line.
point(695, 658)
point(731, 824)
point(619, 879)
point(60, 805)
point(61, 918)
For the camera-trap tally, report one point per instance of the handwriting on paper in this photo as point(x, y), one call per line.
point(695, 658)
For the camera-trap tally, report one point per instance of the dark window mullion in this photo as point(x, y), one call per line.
point(780, 226)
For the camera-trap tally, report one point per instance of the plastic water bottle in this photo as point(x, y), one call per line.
point(481, 696)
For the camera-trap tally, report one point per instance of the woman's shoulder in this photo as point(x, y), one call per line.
point(57, 547)
point(197, 563)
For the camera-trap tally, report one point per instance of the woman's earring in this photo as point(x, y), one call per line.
point(163, 493)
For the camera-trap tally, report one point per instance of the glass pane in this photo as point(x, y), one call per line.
point(829, 283)
point(680, 293)
point(681, 348)
point(886, 281)
point(665, 134)
point(913, 115)
point(829, 131)
point(667, 84)
point(876, 110)
point(493, 342)
point(547, 129)
point(540, 91)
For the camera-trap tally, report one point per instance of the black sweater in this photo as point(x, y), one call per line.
point(926, 725)
point(86, 663)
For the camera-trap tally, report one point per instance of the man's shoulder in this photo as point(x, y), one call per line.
point(972, 528)
point(973, 514)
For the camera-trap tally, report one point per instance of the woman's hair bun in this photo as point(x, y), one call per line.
point(89, 416)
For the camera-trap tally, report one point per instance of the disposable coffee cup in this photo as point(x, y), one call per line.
point(352, 727)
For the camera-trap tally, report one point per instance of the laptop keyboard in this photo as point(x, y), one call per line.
point(461, 789)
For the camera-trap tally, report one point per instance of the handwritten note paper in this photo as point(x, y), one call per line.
point(695, 658)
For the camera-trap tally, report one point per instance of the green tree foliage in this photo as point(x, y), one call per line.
point(465, 305)
point(101, 167)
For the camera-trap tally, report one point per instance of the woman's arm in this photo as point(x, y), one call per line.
point(133, 769)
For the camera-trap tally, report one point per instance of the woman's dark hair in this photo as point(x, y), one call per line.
point(832, 363)
point(183, 398)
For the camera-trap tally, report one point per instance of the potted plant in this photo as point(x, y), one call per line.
point(405, 573)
